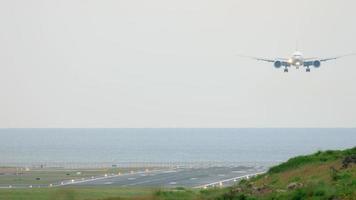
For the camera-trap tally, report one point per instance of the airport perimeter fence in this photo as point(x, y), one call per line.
point(93, 165)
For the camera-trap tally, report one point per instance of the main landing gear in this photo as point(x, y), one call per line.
point(286, 70)
point(308, 70)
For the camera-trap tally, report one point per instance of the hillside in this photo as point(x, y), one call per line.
point(323, 175)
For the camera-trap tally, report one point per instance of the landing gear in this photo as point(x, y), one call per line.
point(308, 70)
point(286, 70)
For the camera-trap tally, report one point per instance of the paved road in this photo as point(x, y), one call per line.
point(187, 177)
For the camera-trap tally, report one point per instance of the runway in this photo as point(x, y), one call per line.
point(186, 177)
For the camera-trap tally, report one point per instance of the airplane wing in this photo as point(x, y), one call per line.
point(258, 58)
point(278, 61)
point(334, 58)
point(327, 59)
point(316, 61)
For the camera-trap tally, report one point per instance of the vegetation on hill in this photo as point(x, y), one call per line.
point(323, 175)
point(329, 175)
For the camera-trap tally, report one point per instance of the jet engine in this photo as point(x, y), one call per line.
point(316, 64)
point(277, 64)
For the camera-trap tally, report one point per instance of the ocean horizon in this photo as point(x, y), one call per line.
point(261, 146)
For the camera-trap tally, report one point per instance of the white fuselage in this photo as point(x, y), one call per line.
point(296, 60)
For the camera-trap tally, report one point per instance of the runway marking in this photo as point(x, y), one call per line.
point(149, 181)
point(63, 183)
point(242, 171)
point(135, 180)
point(221, 182)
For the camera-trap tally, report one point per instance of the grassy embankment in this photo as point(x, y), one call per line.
point(73, 193)
point(323, 175)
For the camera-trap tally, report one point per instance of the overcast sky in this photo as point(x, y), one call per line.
point(162, 63)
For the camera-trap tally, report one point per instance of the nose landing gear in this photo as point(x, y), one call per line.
point(308, 70)
point(286, 70)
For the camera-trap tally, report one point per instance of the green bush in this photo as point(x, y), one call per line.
point(314, 158)
point(299, 195)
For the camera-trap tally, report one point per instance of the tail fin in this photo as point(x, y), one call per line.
point(296, 45)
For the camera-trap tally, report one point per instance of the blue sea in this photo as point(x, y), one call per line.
point(167, 145)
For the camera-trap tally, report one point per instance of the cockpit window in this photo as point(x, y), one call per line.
point(297, 54)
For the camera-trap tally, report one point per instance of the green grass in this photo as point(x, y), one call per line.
point(319, 157)
point(73, 193)
point(317, 176)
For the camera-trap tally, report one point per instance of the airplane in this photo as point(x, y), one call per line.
point(296, 60)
